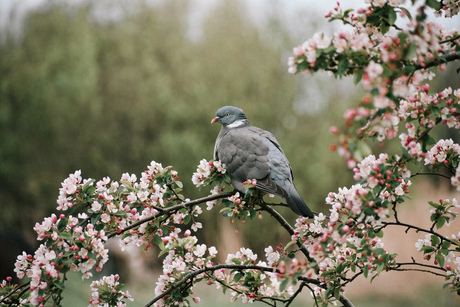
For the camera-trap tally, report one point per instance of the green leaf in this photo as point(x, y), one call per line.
point(441, 221)
point(406, 11)
point(440, 259)
point(353, 267)
point(445, 244)
point(289, 244)
point(411, 52)
point(434, 4)
point(358, 76)
point(65, 235)
point(237, 277)
point(62, 224)
point(121, 213)
point(157, 239)
point(187, 219)
point(427, 249)
point(59, 284)
point(365, 271)
point(283, 284)
point(435, 240)
point(252, 213)
point(337, 293)
point(379, 233)
point(391, 17)
point(342, 68)
point(236, 261)
point(427, 141)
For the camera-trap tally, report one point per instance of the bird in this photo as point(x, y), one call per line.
point(249, 152)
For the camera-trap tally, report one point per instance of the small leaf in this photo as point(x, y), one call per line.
point(435, 240)
point(441, 221)
point(434, 4)
point(440, 259)
point(358, 76)
point(187, 219)
point(283, 284)
point(342, 67)
point(411, 52)
point(337, 293)
point(59, 284)
point(236, 261)
point(289, 244)
point(445, 244)
point(365, 271)
point(427, 249)
point(65, 235)
point(237, 277)
point(62, 224)
point(379, 233)
point(391, 17)
point(157, 239)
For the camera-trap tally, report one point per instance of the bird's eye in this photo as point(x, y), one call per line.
point(228, 114)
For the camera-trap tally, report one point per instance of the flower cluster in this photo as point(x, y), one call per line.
point(388, 60)
point(387, 50)
point(206, 171)
point(92, 212)
point(184, 256)
point(391, 62)
point(252, 284)
point(108, 289)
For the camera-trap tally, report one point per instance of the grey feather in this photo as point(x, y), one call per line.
point(249, 152)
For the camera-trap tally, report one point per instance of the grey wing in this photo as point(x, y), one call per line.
point(246, 156)
point(279, 164)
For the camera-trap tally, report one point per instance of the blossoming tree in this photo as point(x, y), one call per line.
point(391, 51)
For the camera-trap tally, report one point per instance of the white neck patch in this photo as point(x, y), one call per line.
point(238, 123)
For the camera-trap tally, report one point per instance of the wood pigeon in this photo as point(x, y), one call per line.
point(250, 153)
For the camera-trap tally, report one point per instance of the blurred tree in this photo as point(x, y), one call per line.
point(108, 95)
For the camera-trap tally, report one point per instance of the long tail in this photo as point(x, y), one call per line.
point(296, 203)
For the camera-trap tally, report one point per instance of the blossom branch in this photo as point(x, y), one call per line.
point(192, 274)
point(433, 174)
point(342, 298)
point(450, 39)
point(168, 210)
point(450, 57)
point(417, 229)
point(286, 226)
point(414, 263)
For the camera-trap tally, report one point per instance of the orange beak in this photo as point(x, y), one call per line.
point(214, 120)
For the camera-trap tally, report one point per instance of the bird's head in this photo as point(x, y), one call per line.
point(231, 117)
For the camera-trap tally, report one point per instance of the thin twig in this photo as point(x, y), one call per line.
point(193, 274)
point(450, 39)
point(342, 298)
point(427, 174)
point(417, 229)
point(286, 226)
point(172, 209)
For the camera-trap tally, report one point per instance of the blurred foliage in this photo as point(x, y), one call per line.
point(108, 95)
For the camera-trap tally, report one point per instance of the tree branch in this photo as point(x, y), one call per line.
point(286, 226)
point(417, 229)
point(447, 58)
point(168, 210)
point(450, 39)
point(434, 174)
point(399, 265)
point(343, 299)
point(193, 274)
